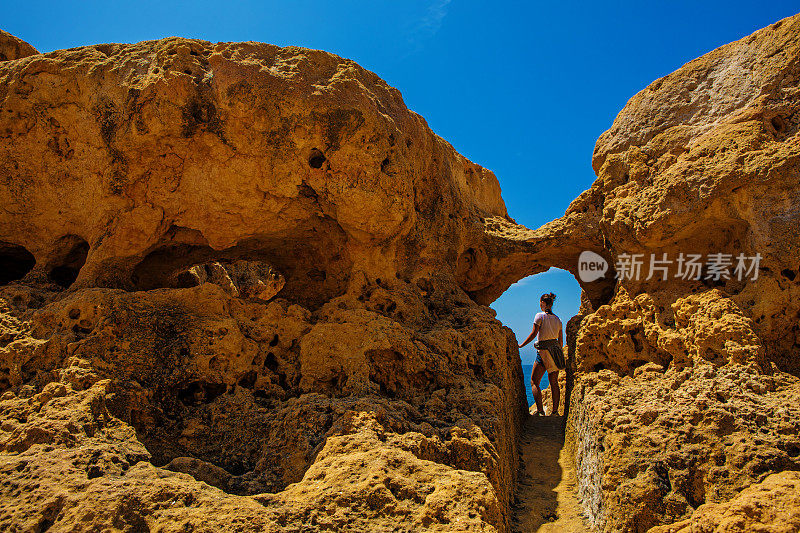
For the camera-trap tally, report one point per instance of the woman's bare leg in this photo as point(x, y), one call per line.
point(536, 380)
point(555, 390)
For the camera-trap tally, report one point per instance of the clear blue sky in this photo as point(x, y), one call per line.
point(522, 88)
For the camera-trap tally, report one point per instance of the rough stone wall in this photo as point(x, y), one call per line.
point(747, 512)
point(687, 390)
point(704, 160)
point(679, 381)
point(131, 173)
point(231, 297)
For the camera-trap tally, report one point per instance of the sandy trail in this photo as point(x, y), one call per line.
point(545, 499)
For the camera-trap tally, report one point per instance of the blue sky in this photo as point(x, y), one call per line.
point(522, 88)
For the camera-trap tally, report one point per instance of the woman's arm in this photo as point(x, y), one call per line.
point(532, 336)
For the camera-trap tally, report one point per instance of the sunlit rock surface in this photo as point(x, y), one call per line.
point(246, 287)
point(231, 298)
point(686, 391)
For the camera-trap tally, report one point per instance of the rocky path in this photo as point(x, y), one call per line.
point(545, 500)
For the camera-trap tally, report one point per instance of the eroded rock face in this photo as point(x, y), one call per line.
point(231, 297)
point(686, 390)
point(252, 267)
point(747, 512)
point(656, 445)
point(154, 157)
point(12, 47)
point(702, 161)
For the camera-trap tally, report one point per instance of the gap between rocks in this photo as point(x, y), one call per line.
point(545, 499)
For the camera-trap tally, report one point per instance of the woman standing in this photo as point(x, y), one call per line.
point(550, 355)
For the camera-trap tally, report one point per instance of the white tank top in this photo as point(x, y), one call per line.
point(549, 326)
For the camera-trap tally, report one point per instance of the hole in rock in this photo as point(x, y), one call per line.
point(285, 266)
point(519, 305)
point(70, 258)
point(306, 191)
point(637, 343)
point(234, 437)
point(198, 392)
point(248, 380)
point(222, 423)
point(793, 449)
point(15, 262)
point(386, 167)
point(316, 159)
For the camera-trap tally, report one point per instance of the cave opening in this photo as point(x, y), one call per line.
point(220, 421)
point(71, 253)
point(519, 304)
point(316, 158)
point(291, 264)
point(15, 262)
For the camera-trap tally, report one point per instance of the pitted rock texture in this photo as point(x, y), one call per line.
point(252, 267)
point(656, 445)
point(747, 511)
point(231, 300)
point(255, 398)
point(128, 164)
point(704, 160)
point(714, 171)
point(686, 391)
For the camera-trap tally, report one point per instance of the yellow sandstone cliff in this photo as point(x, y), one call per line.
point(245, 288)
point(237, 301)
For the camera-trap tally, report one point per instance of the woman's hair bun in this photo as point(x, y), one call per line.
point(549, 298)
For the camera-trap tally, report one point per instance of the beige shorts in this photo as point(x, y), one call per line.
point(546, 359)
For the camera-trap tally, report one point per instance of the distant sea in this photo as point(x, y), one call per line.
point(526, 373)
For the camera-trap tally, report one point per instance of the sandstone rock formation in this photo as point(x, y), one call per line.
point(747, 511)
point(686, 391)
point(231, 299)
point(12, 47)
point(245, 287)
